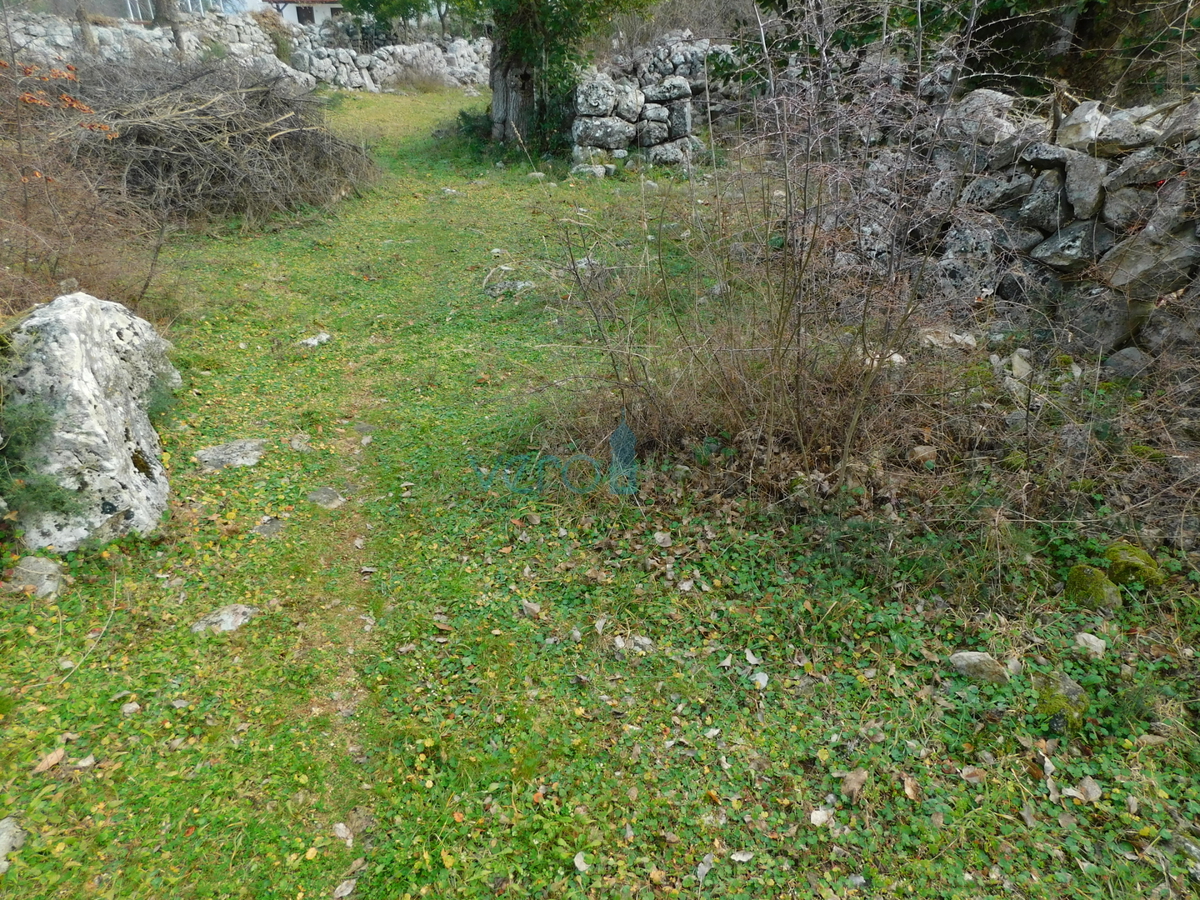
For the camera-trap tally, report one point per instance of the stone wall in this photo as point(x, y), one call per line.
point(648, 101)
point(460, 63)
point(47, 38)
point(1091, 226)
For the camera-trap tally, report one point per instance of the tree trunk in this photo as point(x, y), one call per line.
point(166, 15)
point(85, 28)
point(514, 102)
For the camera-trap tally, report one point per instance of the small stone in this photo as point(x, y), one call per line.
point(536, 176)
point(299, 443)
point(1128, 363)
point(44, 576)
point(12, 837)
point(227, 618)
point(1090, 644)
point(1090, 587)
point(326, 497)
point(268, 528)
point(1127, 563)
point(321, 337)
point(131, 708)
point(231, 455)
point(979, 666)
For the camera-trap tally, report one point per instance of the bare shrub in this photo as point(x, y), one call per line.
point(795, 314)
point(56, 222)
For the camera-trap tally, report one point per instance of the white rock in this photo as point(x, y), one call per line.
point(96, 365)
point(1090, 644)
point(979, 666)
point(321, 337)
point(12, 837)
point(231, 455)
point(44, 575)
point(227, 618)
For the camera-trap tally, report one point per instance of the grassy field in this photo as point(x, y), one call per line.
point(461, 686)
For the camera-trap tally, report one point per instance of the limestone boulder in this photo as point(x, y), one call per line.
point(1074, 247)
point(629, 102)
point(980, 117)
point(1126, 208)
point(596, 95)
point(1046, 207)
point(679, 119)
point(1085, 184)
point(673, 87)
point(1149, 265)
point(95, 366)
point(994, 191)
point(1099, 319)
point(1082, 127)
point(606, 132)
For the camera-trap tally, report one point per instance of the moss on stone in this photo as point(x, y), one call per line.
point(1090, 587)
point(1127, 563)
point(1062, 700)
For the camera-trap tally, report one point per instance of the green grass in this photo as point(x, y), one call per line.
point(474, 746)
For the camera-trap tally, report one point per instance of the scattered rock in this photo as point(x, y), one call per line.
point(227, 618)
point(326, 497)
point(231, 455)
point(97, 366)
point(38, 575)
point(500, 288)
point(1127, 564)
point(1090, 587)
point(12, 837)
point(1129, 363)
point(269, 527)
point(321, 337)
point(1090, 644)
point(979, 666)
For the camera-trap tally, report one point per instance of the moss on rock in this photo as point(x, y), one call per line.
point(1090, 587)
point(1062, 700)
point(1127, 563)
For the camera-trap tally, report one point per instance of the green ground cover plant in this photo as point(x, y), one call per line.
point(457, 688)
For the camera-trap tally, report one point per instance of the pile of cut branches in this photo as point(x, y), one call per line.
point(212, 140)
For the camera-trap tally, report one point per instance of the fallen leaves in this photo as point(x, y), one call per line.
point(50, 760)
point(973, 775)
point(853, 784)
point(1087, 790)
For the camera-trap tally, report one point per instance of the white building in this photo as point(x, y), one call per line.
point(308, 12)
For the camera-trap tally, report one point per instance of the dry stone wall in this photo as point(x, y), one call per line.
point(47, 39)
point(1093, 224)
point(646, 101)
point(460, 63)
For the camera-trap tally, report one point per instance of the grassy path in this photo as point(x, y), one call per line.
point(455, 689)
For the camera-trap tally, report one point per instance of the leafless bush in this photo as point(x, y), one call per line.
point(792, 309)
point(204, 140)
point(56, 222)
